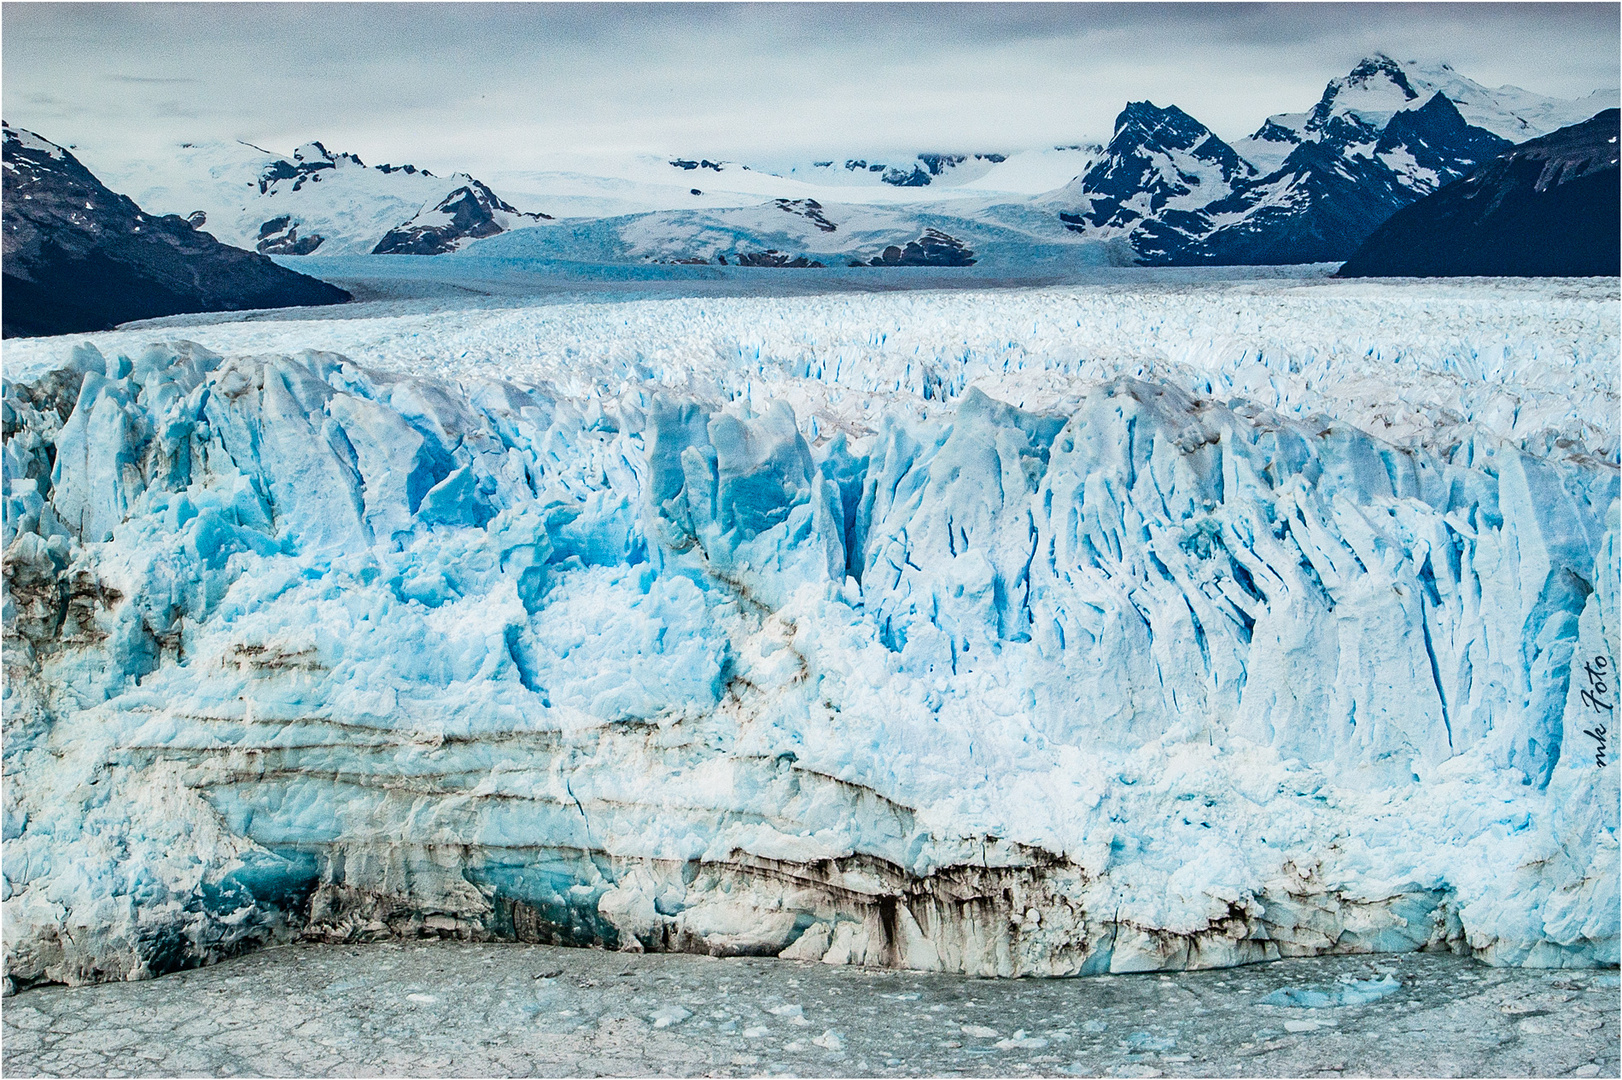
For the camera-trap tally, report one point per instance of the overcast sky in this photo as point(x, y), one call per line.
point(493, 87)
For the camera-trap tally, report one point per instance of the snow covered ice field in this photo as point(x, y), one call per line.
point(1117, 626)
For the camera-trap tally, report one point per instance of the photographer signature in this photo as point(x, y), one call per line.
point(1600, 680)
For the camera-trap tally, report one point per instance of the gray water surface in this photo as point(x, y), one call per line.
point(447, 1009)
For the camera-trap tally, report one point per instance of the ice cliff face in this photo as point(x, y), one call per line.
point(1154, 681)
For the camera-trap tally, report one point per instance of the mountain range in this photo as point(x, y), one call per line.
point(1309, 187)
point(1305, 187)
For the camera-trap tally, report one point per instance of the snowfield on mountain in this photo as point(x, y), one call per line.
point(310, 201)
point(1108, 627)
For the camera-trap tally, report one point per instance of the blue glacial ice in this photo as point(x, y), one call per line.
point(1154, 681)
point(1347, 992)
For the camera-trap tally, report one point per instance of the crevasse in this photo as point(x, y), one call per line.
point(294, 646)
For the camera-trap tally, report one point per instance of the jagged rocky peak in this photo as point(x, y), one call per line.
point(1144, 123)
point(409, 170)
point(312, 156)
point(471, 212)
point(1434, 145)
point(1158, 157)
point(308, 162)
point(1357, 106)
point(1378, 139)
point(1377, 87)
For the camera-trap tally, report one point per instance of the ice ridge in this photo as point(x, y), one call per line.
point(1159, 681)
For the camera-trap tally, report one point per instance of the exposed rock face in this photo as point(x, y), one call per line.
point(809, 209)
point(1548, 207)
point(79, 257)
point(772, 257)
point(469, 213)
point(934, 248)
point(279, 236)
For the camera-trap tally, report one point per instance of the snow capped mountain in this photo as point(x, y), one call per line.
point(1378, 88)
point(606, 185)
point(1357, 105)
point(1307, 186)
point(312, 201)
point(1329, 194)
point(1548, 207)
point(79, 257)
point(1159, 160)
point(1371, 145)
point(471, 212)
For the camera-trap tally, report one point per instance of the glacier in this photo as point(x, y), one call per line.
point(1093, 629)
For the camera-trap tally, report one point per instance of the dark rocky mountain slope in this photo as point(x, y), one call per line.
point(1547, 208)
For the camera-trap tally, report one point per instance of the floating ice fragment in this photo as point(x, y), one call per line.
point(830, 1040)
point(979, 1032)
point(1021, 1041)
point(794, 1014)
point(1353, 992)
point(669, 1016)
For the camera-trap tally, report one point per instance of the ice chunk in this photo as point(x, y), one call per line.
point(1351, 992)
point(1019, 1040)
point(669, 1016)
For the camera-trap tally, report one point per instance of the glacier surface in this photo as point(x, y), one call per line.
point(1075, 630)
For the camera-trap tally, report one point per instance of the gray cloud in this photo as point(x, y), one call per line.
point(149, 80)
point(500, 86)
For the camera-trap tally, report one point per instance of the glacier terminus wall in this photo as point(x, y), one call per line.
point(1053, 665)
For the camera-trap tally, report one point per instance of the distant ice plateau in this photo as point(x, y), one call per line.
point(1085, 629)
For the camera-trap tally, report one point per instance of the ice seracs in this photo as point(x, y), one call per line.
point(755, 658)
